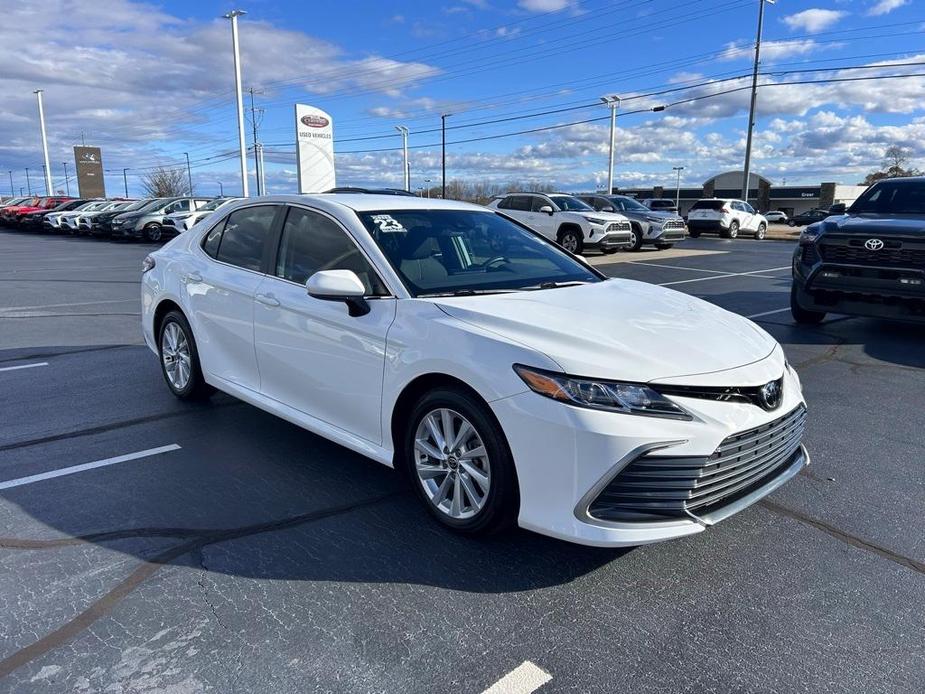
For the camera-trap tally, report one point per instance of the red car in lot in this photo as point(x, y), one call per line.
point(11, 216)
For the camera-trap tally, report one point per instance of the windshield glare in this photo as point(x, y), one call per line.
point(449, 251)
point(892, 197)
point(567, 202)
point(632, 204)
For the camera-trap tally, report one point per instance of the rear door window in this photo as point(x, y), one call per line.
point(244, 237)
point(520, 203)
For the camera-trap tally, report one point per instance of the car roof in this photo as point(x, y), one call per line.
point(365, 202)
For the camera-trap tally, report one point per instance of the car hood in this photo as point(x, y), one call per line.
point(872, 224)
point(619, 329)
point(608, 217)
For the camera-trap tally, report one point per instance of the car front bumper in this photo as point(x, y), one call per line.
point(125, 231)
point(859, 289)
point(567, 456)
point(670, 234)
point(604, 239)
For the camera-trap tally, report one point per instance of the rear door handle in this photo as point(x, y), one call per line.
point(193, 277)
point(267, 299)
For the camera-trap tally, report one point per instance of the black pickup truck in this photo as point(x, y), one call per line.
point(866, 260)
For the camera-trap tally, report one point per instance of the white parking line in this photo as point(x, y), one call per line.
point(679, 267)
point(768, 313)
point(19, 482)
point(753, 273)
point(11, 309)
point(523, 679)
point(24, 366)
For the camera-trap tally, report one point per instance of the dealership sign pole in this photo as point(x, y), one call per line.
point(233, 16)
point(48, 191)
point(314, 149)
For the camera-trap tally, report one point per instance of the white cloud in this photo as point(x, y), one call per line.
point(775, 50)
point(813, 20)
point(545, 5)
point(885, 7)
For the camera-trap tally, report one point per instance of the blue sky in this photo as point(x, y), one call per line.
point(150, 81)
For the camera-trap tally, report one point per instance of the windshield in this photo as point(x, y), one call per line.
point(461, 251)
point(567, 202)
point(215, 204)
point(631, 204)
point(892, 197)
point(88, 206)
point(709, 205)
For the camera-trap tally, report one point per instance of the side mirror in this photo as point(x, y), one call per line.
point(838, 208)
point(547, 209)
point(339, 285)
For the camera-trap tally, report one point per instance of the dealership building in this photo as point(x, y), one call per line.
point(762, 194)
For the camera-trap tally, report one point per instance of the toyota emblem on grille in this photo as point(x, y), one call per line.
point(873, 244)
point(770, 395)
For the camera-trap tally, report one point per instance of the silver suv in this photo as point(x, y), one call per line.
point(660, 229)
point(148, 222)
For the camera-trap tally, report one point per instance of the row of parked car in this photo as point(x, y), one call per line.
point(150, 219)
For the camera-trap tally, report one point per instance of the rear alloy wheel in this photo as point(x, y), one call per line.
point(801, 315)
point(153, 232)
point(571, 241)
point(180, 359)
point(460, 464)
point(733, 230)
point(761, 232)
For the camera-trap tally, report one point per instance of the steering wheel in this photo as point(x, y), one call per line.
point(493, 261)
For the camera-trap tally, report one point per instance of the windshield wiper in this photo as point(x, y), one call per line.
point(553, 285)
point(468, 292)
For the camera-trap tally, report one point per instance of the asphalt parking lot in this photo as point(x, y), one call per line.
point(226, 550)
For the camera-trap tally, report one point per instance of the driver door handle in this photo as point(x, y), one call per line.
point(267, 299)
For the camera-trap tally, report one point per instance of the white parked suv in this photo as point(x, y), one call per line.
point(508, 380)
point(726, 217)
point(573, 224)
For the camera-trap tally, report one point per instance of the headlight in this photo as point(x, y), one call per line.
point(653, 219)
point(810, 234)
point(628, 398)
point(596, 220)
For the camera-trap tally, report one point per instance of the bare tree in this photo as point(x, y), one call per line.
point(164, 183)
point(482, 192)
point(895, 160)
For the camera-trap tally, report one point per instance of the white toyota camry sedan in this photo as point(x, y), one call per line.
point(510, 381)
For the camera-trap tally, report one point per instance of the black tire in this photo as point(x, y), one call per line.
point(664, 246)
point(761, 232)
point(571, 240)
point(153, 232)
point(791, 223)
point(196, 388)
point(502, 501)
point(801, 315)
point(732, 232)
point(636, 239)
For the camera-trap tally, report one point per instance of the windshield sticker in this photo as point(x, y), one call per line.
point(387, 224)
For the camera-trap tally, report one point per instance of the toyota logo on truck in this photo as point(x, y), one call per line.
point(314, 121)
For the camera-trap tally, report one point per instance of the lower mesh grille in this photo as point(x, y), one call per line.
point(655, 488)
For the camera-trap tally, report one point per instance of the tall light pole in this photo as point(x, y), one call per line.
point(427, 182)
point(28, 181)
point(613, 101)
point(406, 166)
point(189, 174)
point(67, 183)
point(239, 98)
point(12, 189)
point(221, 190)
point(262, 174)
point(45, 176)
point(751, 109)
point(38, 96)
point(443, 118)
point(677, 196)
point(125, 180)
point(257, 151)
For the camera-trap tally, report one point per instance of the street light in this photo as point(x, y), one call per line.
point(613, 101)
point(12, 189)
point(233, 16)
point(67, 183)
point(751, 109)
point(443, 118)
point(221, 190)
point(677, 197)
point(38, 96)
point(189, 175)
point(28, 181)
point(125, 180)
point(406, 167)
point(427, 181)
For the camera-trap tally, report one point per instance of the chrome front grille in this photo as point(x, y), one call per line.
point(653, 488)
point(619, 226)
point(674, 224)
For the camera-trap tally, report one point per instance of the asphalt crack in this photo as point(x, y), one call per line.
point(71, 629)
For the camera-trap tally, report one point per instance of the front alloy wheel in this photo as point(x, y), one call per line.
point(153, 232)
point(571, 241)
point(452, 464)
